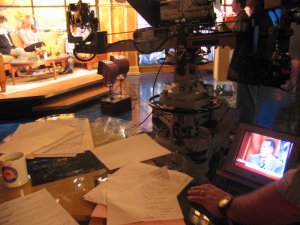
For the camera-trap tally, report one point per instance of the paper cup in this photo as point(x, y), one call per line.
point(14, 169)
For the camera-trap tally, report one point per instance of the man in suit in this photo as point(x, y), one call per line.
point(265, 159)
point(6, 44)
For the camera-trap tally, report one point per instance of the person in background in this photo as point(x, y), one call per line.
point(294, 52)
point(251, 61)
point(29, 35)
point(265, 158)
point(240, 27)
point(84, 33)
point(6, 44)
point(276, 203)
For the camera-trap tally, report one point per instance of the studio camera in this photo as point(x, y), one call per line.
point(282, 14)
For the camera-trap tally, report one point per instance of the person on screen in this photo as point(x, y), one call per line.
point(265, 159)
point(276, 203)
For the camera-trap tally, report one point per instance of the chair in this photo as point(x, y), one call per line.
point(2, 75)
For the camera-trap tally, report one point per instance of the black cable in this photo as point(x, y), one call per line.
point(155, 49)
point(152, 94)
point(225, 113)
point(154, 83)
point(145, 119)
point(140, 122)
point(164, 108)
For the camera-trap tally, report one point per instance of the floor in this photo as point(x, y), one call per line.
point(278, 110)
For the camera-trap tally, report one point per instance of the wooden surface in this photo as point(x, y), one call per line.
point(222, 58)
point(2, 75)
point(74, 99)
point(68, 192)
point(56, 87)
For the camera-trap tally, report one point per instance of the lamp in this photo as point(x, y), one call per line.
point(114, 69)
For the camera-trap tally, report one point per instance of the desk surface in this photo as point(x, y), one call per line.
point(69, 191)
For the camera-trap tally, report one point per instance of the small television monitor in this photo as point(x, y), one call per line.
point(260, 155)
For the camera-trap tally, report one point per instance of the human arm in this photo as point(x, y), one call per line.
point(5, 51)
point(5, 47)
point(263, 206)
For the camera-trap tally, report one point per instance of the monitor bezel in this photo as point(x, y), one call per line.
point(247, 175)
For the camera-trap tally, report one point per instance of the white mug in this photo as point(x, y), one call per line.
point(13, 169)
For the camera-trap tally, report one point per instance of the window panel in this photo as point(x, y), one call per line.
point(228, 11)
point(227, 8)
point(227, 2)
point(91, 2)
point(48, 2)
point(15, 15)
point(46, 21)
point(15, 3)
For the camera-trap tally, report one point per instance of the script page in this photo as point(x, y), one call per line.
point(76, 142)
point(101, 212)
point(35, 209)
point(149, 198)
point(135, 170)
point(36, 135)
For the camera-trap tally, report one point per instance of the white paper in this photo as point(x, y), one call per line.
point(76, 142)
point(140, 192)
point(101, 212)
point(34, 209)
point(123, 178)
point(53, 138)
point(150, 198)
point(133, 149)
point(35, 135)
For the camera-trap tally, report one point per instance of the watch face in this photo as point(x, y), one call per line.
point(224, 201)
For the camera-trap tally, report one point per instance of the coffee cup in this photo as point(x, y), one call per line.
point(13, 169)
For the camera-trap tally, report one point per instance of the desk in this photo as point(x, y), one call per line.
point(35, 61)
point(69, 191)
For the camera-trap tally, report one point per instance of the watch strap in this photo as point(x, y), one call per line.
point(223, 210)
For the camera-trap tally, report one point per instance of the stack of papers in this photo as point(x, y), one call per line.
point(34, 209)
point(55, 138)
point(139, 192)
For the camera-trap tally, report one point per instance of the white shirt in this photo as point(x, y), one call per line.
point(28, 37)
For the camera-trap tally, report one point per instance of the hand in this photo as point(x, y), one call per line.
point(208, 196)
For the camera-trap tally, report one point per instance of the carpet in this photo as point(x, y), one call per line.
point(31, 82)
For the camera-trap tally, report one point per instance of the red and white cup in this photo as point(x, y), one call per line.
point(13, 169)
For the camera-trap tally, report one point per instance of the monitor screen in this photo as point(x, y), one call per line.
point(260, 155)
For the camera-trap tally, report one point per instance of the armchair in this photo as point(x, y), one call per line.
point(2, 75)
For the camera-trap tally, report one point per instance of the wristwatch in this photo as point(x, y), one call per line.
point(224, 204)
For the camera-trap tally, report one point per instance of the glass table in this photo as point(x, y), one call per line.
point(69, 191)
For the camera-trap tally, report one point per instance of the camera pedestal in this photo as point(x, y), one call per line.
point(116, 104)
